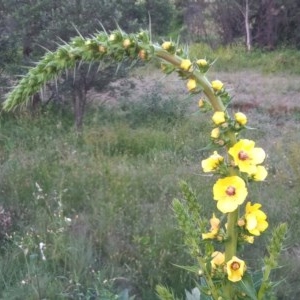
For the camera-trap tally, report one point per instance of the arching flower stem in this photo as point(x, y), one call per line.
point(201, 79)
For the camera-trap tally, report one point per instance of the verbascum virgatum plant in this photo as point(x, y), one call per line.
point(235, 161)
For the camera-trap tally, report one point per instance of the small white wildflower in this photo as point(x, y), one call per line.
point(38, 187)
point(42, 247)
point(68, 220)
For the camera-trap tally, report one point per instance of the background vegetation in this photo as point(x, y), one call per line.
point(99, 201)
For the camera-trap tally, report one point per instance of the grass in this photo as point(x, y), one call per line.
point(235, 58)
point(101, 201)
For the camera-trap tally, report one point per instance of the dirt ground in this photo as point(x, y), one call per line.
point(273, 92)
point(270, 101)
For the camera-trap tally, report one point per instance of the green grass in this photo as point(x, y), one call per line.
point(116, 182)
point(235, 58)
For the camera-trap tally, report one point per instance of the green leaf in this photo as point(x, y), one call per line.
point(194, 295)
point(193, 269)
point(246, 286)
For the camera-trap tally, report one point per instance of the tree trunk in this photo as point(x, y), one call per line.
point(79, 101)
point(247, 27)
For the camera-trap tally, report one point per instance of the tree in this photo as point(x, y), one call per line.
point(265, 24)
point(31, 23)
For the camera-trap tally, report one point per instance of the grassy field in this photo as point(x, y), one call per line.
point(87, 216)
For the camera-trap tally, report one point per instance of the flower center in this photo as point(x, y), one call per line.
point(230, 191)
point(235, 266)
point(243, 155)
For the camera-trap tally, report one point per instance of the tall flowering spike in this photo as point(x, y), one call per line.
point(230, 192)
point(235, 269)
point(212, 163)
point(246, 156)
point(256, 219)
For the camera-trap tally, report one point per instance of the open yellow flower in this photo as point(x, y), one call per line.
point(255, 219)
point(214, 229)
point(246, 156)
point(191, 84)
point(185, 64)
point(217, 85)
point(230, 192)
point(218, 259)
point(235, 269)
point(240, 118)
point(211, 164)
point(219, 117)
point(260, 174)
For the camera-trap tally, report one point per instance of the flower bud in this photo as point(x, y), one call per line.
point(215, 133)
point(240, 118)
point(112, 37)
point(167, 46)
point(202, 63)
point(142, 54)
point(217, 85)
point(201, 103)
point(126, 43)
point(219, 117)
point(102, 49)
point(191, 84)
point(241, 222)
point(185, 64)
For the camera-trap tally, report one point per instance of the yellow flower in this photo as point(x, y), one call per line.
point(240, 118)
point(219, 117)
point(214, 229)
point(166, 45)
point(185, 64)
point(260, 174)
point(211, 164)
point(191, 84)
point(255, 219)
point(230, 192)
point(235, 269)
point(246, 156)
point(215, 133)
point(218, 259)
point(217, 85)
point(202, 62)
